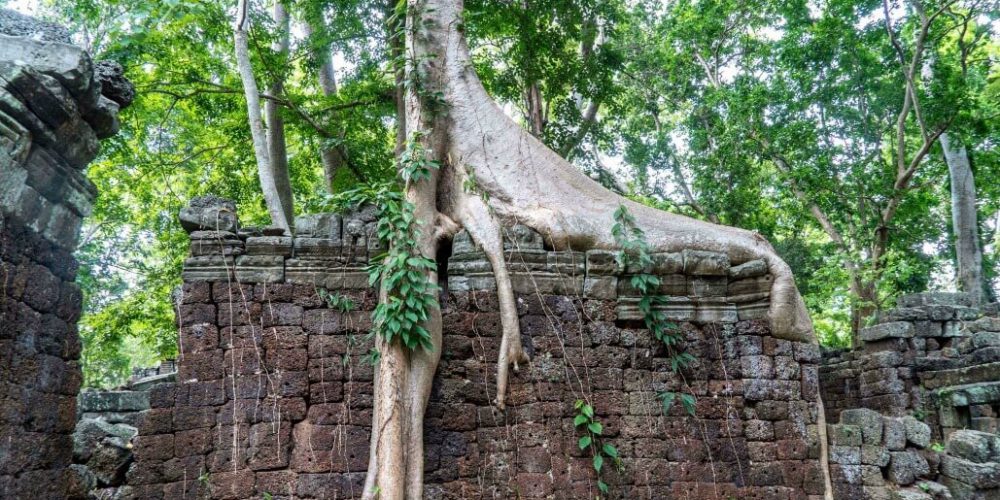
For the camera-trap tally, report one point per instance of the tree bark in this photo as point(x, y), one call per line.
point(276, 147)
point(330, 156)
point(265, 169)
point(964, 219)
point(527, 183)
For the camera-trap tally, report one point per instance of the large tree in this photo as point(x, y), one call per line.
point(480, 171)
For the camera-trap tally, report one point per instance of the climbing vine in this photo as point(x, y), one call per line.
point(634, 254)
point(401, 269)
point(600, 450)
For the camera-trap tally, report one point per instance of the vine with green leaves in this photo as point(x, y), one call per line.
point(634, 254)
point(401, 269)
point(592, 439)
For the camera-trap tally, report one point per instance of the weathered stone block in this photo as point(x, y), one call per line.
point(673, 285)
point(702, 263)
point(979, 447)
point(601, 262)
point(323, 225)
point(520, 237)
point(569, 263)
point(260, 268)
point(208, 268)
point(750, 269)
point(979, 475)
point(844, 435)
point(845, 455)
point(934, 298)
point(603, 287)
point(896, 329)
point(917, 432)
point(869, 421)
point(905, 467)
point(269, 245)
point(894, 433)
point(209, 213)
point(873, 454)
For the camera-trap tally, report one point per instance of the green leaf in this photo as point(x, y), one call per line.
point(585, 442)
point(601, 485)
point(595, 427)
point(610, 450)
point(667, 398)
point(588, 411)
point(688, 401)
point(580, 420)
point(598, 462)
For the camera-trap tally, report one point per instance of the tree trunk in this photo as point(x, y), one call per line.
point(965, 223)
point(275, 124)
point(477, 144)
point(330, 155)
point(866, 294)
point(275, 197)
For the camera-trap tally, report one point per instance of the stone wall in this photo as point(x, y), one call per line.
point(274, 385)
point(918, 403)
point(52, 113)
point(933, 356)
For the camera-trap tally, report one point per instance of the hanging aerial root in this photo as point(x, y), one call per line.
point(485, 230)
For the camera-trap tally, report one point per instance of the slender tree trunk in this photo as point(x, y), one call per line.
point(270, 185)
point(964, 219)
point(536, 111)
point(866, 293)
point(276, 146)
point(330, 155)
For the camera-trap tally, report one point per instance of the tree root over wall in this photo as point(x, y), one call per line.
point(492, 172)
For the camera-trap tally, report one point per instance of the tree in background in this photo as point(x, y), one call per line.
point(780, 117)
point(188, 135)
point(794, 118)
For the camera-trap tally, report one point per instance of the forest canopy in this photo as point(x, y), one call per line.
point(859, 137)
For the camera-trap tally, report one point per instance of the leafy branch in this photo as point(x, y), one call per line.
point(402, 270)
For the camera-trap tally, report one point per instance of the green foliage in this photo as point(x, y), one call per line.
point(716, 109)
point(401, 271)
point(415, 164)
point(667, 399)
point(592, 439)
point(634, 256)
point(336, 301)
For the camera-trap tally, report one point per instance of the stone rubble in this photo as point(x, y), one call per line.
point(928, 373)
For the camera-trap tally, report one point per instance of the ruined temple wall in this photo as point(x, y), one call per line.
point(914, 411)
point(274, 385)
point(52, 113)
point(930, 344)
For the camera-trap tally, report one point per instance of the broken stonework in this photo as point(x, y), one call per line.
point(52, 113)
point(104, 449)
point(928, 374)
point(209, 213)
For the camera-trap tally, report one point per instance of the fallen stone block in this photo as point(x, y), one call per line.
point(975, 446)
point(980, 475)
point(906, 466)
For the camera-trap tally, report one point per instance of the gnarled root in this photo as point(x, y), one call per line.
point(485, 231)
